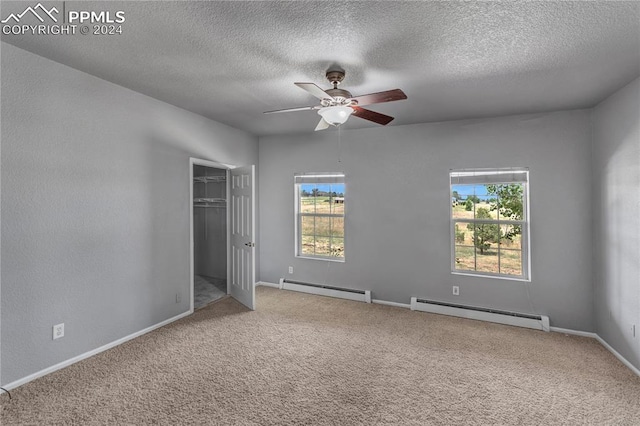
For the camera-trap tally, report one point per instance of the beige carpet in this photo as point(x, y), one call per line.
point(301, 359)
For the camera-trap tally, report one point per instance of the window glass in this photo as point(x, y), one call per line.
point(320, 208)
point(489, 222)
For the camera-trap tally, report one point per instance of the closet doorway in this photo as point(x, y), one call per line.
point(222, 232)
point(209, 232)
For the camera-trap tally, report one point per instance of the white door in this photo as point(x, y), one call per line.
point(242, 230)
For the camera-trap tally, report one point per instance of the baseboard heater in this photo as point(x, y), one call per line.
point(537, 322)
point(326, 290)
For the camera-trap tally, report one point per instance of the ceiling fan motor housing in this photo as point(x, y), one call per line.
point(339, 95)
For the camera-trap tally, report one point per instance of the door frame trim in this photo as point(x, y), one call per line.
point(207, 163)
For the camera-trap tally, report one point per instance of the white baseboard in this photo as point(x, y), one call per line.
point(267, 284)
point(573, 332)
point(618, 355)
point(387, 303)
point(91, 353)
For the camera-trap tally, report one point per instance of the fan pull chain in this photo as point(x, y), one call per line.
point(339, 144)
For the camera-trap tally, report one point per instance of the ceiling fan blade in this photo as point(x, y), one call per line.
point(380, 97)
point(322, 125)
point(367, 114)
point(291, 109)
point(314, 90)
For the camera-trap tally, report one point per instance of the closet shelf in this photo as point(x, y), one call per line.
point(206, 179)
point(209, 201)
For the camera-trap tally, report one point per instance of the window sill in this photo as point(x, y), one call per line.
point(326, 259)
point(499, 277)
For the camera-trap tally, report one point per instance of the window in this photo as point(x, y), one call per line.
point(489, 222)
point(320, 199)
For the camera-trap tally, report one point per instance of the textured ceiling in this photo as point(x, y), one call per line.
point(230, 61)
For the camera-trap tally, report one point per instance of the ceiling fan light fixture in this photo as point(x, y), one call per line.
point(335, 115)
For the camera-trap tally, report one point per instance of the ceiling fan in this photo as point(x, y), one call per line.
point(336, 105)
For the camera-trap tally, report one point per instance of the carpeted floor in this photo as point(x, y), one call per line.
point(302, 359)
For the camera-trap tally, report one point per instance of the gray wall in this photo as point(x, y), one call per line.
point(397, 211)
point(95, 209)
point(616, 183)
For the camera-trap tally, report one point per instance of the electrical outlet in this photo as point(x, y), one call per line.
point(178, 297)
point(58, 331)
point(456, 290)
point(291, 269)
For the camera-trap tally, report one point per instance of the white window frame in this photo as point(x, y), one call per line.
point(319, 178)
point(493, 176)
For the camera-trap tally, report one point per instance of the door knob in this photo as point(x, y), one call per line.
point(250, 244)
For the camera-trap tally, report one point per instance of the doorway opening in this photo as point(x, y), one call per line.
point(210, 233)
